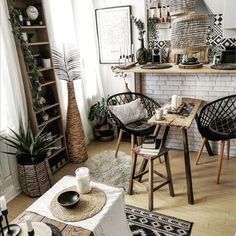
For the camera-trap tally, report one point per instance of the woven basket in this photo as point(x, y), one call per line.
point(35, 179)
point(178, 7)
point(189, 31)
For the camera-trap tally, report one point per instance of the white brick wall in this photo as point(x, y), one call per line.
point(202, 86)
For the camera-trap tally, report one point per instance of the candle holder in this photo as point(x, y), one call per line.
point(9, 230)
point(1, 218)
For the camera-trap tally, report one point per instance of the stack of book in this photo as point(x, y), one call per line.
point(151, 145)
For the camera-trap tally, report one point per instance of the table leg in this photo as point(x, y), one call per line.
point(165, 135)
point(187, 167)
point(207, 144)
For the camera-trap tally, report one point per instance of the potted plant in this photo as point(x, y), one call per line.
point(142, 52)
point(103, 130)
point(30, 149)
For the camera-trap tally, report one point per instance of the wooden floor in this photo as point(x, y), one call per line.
point(214, 211)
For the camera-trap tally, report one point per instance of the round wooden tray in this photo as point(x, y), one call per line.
point(193, 66)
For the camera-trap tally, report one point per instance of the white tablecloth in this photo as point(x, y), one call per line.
point(110, 221)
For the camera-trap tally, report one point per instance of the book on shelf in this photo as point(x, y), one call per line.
point(151, 142)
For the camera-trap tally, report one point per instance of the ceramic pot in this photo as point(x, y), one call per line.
point(142, 54)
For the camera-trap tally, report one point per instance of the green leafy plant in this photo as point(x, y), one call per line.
point(67, 64)
point(152, 26)
point(99, 111)
point(34, 75)
point(28, 146)
point(140, 26)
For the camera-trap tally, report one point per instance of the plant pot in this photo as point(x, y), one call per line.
point(142, 54)
point(104, 132)
point(35, 175)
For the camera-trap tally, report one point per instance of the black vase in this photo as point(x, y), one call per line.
point(142, 54)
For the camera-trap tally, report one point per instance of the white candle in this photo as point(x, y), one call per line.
point(174, 101)
point(179, 100)
point(3, 203)
point(152, 12)
point(132, 48)
point(28, 224)
point(82, 180)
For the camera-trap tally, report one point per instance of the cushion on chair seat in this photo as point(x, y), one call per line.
point(140, 127)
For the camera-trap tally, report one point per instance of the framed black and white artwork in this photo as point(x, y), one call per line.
point(114, 33)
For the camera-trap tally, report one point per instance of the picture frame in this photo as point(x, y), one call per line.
point(114, 31)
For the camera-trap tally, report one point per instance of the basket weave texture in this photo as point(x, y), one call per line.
point(35, 179)
point(181, 6)
point(189, 31)
point(75, 133)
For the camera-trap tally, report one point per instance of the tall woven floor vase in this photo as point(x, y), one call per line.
point(75, 134)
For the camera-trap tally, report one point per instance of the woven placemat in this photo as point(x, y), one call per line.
point(89, 205)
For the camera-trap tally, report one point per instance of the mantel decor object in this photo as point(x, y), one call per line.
point(142, 52)
point(67, 66)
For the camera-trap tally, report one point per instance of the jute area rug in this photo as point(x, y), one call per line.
point(146, 223)
point(107, 169)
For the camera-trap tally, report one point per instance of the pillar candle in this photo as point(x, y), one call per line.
point(28, 224)
point(82, 180)
point(3, 203)
point(174, 101)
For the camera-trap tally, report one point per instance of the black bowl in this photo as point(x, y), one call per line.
point(192, 59)
point(68, 199)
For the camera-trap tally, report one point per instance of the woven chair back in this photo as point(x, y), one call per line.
point(220, 117)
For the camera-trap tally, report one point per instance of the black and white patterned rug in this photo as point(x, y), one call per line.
point(146, 223)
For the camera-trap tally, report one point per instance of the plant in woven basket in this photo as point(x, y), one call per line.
point(103, 130)
point(31, 151)
point(67, 66)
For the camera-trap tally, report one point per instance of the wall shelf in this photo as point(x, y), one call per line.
point(51, 119)
point(38, 44)
point(46, 107)
point(33, 27)
point(48, 83)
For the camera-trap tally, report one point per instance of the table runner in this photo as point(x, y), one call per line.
point(111, 220)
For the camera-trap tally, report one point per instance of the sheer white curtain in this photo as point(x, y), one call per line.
point(13, 103)
point(72, 23)
point(12, 100)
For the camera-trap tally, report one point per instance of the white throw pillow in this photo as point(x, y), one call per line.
point(129, 112)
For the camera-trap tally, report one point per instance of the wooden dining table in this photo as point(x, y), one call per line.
point(183, 122)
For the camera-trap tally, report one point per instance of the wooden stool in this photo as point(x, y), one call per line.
point(151, 171)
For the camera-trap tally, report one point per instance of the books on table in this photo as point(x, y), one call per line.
point(151, 145)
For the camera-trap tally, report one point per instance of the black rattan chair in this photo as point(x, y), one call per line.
point(217, 122)
point(137, 128)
